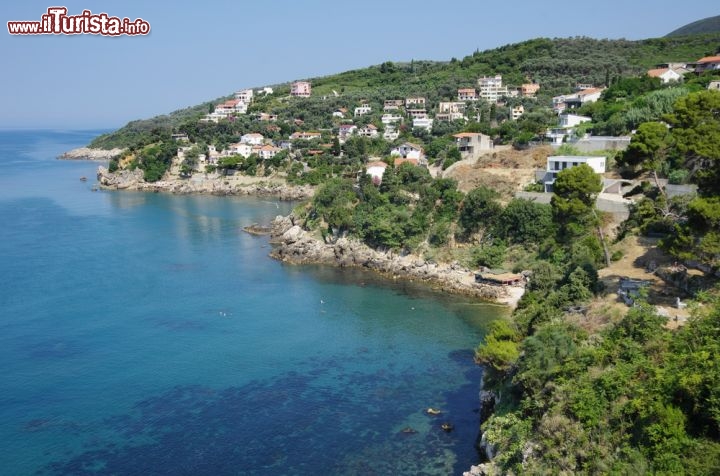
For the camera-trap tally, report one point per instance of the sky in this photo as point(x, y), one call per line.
point(198, 51)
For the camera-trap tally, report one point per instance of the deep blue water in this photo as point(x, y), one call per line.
point(147, 334)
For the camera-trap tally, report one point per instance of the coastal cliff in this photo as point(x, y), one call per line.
point(295, 245)
point(210, 184)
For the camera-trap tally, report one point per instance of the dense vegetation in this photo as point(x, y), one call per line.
point(633, 397)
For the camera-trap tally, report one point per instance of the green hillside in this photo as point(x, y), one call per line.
point(557, 64)
point(700, 27)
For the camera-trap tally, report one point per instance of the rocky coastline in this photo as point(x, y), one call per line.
point(295, 245)
point(86, 153)
point(209, 185)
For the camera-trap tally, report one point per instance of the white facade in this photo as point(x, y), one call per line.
point(390, 119)
point(408, 151)
point(246, 95)
point(300, 89)
point(557, 163)
point(376, 170)
point(241, 148)
point(467, 94)
point(362, 110)
point(517, 112)
point(368, 131)
point(491, 88)
point(391, 133)
point(252, 139)
point(423, 123)
point(573, 120)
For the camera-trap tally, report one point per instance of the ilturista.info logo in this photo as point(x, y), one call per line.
point(57, 22)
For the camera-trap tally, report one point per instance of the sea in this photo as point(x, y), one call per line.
point(147, 334)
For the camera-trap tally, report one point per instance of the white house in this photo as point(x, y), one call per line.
point(409, 151)
point(451, 107)
point(246, 95)
point(470, 143)
point(556, 163)
point(241, 148)
point(415, 113)
point(345, 131)
point(573, 120)
point(267, 151)
point(416, 101)
point(362, 110)
point(390, 133)
point(376, 170)
point(491, 88)
point(423, 123)
point(517, 112)
point(390, 119)
point(714, 86)
point(368, 131)
point(252, 139)
point(301, 89)
point(467, 94)
point(665, 74)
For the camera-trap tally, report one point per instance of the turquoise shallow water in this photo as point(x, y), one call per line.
point(147, 334)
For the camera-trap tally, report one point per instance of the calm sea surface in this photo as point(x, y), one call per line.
point(147, 334)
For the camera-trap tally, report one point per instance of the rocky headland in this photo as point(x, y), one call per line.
point(203, 184)
point(293, 244)
point(86, 153)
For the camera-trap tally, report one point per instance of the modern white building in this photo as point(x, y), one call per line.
point(491, 88)
point(423, 123)
point(376, 170)
point(252, 139)
point(557, 163)
point(246, 95)
point(362, 110)
point(301, 89)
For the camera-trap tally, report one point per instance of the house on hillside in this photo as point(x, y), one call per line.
point(345, 131)
point(391, 133)
point(714, 86)
point(390, 119)
point(423, 123)
point(566, 128)
point(417, 113)
point(517, 112)
point(362, 110)
point(467, 94)
point(472, 143)
point(666, 75)
point(240, 148)
point(252, 138)
point(393, 105)
point(415, 101)
point(301, 89)
point(368, 131)
point(708, 63)
point(265, 117)
point(409, 150)
point(529, 90)
point(376, 170)
point(246, 95)
point(558, 163)
point(491, 88)
point(305, 135)
point(267, 151)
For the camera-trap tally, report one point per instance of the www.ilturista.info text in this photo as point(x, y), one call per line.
point(57, 22)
